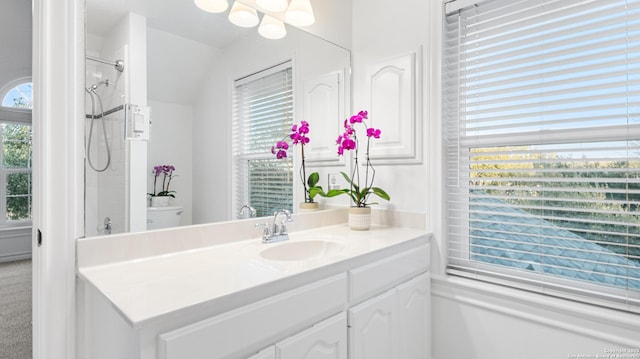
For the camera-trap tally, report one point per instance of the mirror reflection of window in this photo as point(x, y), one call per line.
point(262, 115)
point(15, 171)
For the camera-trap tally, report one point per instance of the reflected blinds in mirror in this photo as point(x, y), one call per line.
point(262, 115)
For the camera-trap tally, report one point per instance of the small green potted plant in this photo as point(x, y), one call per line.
point(161, 198)
point(360, 182)
point(300, 136)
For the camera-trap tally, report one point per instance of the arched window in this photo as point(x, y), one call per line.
point(20, 95)
point(15, 157)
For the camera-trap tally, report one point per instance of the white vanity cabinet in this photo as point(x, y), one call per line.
point(371, 305)
point(233, 334)
point(394, 324)
point(387, 317)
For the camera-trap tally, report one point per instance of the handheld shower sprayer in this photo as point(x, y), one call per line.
point(91, 90)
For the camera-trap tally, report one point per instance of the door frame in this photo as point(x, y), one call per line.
point(58, 184)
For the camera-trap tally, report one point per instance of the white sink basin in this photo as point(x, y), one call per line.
point(302, 250)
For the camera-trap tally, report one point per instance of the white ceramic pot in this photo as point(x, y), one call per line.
point(360, 218)
point(308, 206)
point(160, 201)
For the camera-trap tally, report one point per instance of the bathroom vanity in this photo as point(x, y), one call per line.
point(327, 292)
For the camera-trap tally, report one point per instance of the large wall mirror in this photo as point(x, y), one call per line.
point(171, 102)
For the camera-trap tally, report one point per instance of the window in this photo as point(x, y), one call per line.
point(262, 115)
point(15, 168)
point(542, 115)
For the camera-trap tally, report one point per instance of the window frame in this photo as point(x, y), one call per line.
point(486, 272)
point(19, 116)
point(240, 165)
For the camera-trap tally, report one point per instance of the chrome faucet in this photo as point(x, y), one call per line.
point(107, 225)
point(276, 232)
point(252, 211)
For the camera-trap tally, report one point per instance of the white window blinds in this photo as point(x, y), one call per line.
point(262, 115)
point(542, 112)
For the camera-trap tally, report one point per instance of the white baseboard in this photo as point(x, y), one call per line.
point(15, 257)
point(15, 244)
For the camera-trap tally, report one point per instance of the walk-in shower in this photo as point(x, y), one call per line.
point(105, 152)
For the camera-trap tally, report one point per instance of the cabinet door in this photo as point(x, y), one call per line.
point(413, 301)
point(325, 340)
point(268, 353)
point(372, 328)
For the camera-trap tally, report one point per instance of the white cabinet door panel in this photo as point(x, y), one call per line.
point(372, 328)
point(413, 299)
point(325, 340)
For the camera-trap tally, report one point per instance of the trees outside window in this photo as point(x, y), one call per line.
point(15, 171)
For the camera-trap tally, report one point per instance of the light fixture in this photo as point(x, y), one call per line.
point(214, 6)
point(243, 15)
point(300, 13)
point(272, 28)
point(273, 5)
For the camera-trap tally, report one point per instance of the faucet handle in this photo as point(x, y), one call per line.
point(267, 229)
point(282, 227)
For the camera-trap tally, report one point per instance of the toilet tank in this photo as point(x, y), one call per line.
point(163, 217)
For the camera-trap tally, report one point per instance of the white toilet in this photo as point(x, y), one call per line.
point(163, 217)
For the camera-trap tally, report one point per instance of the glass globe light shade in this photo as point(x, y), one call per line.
point(300, 13)
point(272, 28)
point(243, 15)
point(213, 6)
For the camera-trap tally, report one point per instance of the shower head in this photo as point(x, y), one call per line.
point(98, 84)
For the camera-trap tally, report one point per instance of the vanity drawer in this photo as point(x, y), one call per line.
point(374, 278)
point(235, 333)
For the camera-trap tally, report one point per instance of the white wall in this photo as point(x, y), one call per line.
point(175, 80)
point(476, 320)
point(15, 41)
point(170, 144)
point(469, 319)
point(381, 30)
point(175, 67)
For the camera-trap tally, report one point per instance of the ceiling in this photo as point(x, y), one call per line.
point(184, 18)
point(179, 17)
point(181, 63)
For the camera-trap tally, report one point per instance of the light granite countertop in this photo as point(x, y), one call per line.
point(145, 287)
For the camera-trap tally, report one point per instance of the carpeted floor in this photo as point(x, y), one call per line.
point(15, 310)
